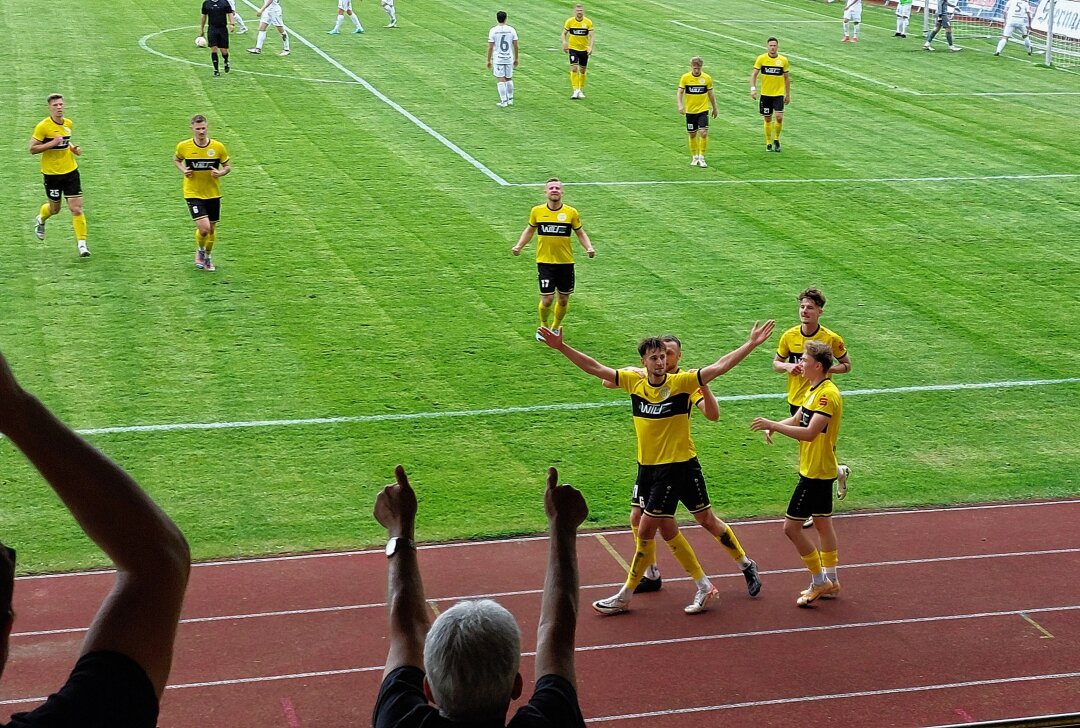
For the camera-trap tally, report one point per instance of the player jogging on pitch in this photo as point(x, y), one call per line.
point(52, 140)
point(203, 161)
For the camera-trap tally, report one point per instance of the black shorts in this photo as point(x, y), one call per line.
point(812, 497)
point(660, 488)
point(554, 277)
point(199, 208)
point(68, 185)
point(769, 105)
point(217, 37)
point(697, 121)
point(105, 688)
point(579, 58)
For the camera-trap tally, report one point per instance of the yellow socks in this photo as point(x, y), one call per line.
point(643, 557)
point(731, 544)
point(79, 223)
point(574, 80)
point(768, 132)
point(691, 142)
point(545, 316)
point(200, 239)
point(560, 314)
point(777, 126)
point(581, 81)
point(829, 560)
point(684, 554)
point(45, 212)
point(703, 145)
point(813, 562)
point(210, 239)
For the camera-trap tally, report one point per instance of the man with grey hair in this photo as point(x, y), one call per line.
point(473, 650)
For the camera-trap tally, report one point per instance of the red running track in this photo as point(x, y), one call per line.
point(946, 616)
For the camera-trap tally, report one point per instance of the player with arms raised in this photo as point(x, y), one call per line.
point(1017, 20)
point(203, 161)
point(502, 57)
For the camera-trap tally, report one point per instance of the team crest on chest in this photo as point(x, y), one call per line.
point(561, 217)
point(665, 392)
point(211, 153)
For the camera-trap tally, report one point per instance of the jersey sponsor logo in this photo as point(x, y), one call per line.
point(579, 31)
point(772, 70)
point(823, 402)
point(558, 229)
point(670, 407)
point(62, 145)
point(201, 165)
point(697, 89)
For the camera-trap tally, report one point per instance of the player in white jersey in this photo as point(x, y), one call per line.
point(1017, 20)
point(270, 14)
point(502, 57)
point(388, 6)
point(241, 26)
point(852, 15)
point(344, 7)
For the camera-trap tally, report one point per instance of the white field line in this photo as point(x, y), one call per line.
point(570, 406)
point(529, 592)
point(835, 696)
point(525, 539)
point(678, 640)
point(144, 44)
point(819, 180)
point(393, 104)
point(803, 59)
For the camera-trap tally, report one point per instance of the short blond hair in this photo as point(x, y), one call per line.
point(820, 352)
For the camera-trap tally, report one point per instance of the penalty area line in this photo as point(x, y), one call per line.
point(569, 406)
point(819, 180)
point(394, 105)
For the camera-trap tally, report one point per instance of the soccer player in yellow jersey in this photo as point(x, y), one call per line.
point(788, 361)
point(668, 469)
point(577, 41)
point(775, 91)
point(203, 161)
point(554, 256)
point(694, 97)
point(52, 140)
point(695, 499)
point(816, 426)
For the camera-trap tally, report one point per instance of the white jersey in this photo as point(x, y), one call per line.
point(503, 37)
point(1016, 11)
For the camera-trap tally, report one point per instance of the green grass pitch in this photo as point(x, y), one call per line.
point(364, 266)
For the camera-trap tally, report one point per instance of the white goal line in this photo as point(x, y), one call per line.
point(818, 180)
point(565, 407)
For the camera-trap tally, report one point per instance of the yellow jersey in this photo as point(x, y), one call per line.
point(554, 228)
point(773, 71)
point(790, 349)
point(201, 184)
point(578, 33)
point(817, 458)
point(661, 415)
point(696, 92)
point(60, 159)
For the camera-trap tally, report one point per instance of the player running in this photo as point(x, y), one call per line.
point(51, 139)
point(203, 161)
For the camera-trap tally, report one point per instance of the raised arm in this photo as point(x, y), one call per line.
point(584, 362)
point(395, 510)
point(566, 510)
point(759, 334)
point(139, 616)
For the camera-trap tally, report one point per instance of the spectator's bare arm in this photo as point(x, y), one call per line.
point(566, 509)
point(395, 509)
point(152, 560)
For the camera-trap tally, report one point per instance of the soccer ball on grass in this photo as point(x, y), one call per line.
point(200, 42)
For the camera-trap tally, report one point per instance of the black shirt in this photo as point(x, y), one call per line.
point(216, 12)
point(105, 690)
point(402, 704)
